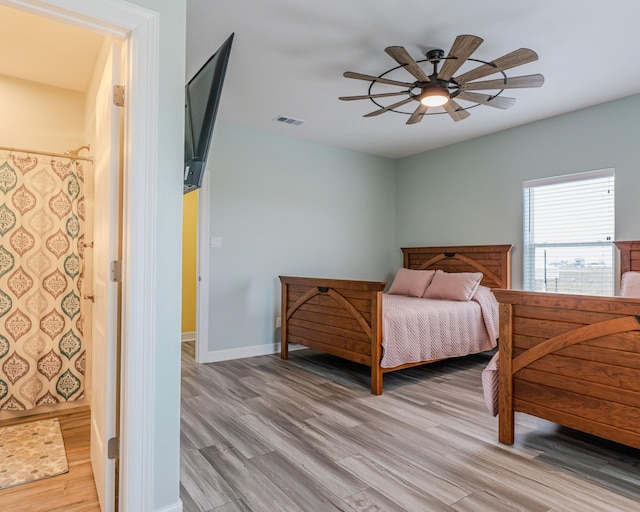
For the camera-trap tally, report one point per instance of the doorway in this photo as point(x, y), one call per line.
point(202, 272)
point(189, 265)
point(72, 109)
point(138, 29)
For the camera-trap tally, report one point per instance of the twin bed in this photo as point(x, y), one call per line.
point(572, 359)
point(345, 318)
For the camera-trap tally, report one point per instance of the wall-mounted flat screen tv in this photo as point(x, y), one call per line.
point(202, 97)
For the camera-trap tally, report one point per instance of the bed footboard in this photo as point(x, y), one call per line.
point(339, 317)
point(570, 359)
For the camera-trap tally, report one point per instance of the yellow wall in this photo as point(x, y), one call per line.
point(189, 230)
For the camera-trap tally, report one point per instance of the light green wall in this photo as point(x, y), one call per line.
point(471, 193)
point(287, 207)
point(166, 421)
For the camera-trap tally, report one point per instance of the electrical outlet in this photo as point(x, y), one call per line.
point(278, 322)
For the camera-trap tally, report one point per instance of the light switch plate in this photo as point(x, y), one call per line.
point(216, 242)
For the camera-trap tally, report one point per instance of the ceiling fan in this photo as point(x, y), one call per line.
point(441, 88)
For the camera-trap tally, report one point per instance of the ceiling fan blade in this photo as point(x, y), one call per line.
point(516, 82)
point(501, 102)
point(461, 49)
point(417, 115)
point(511, 60)
point(369, 96)
point(400, 55)
point(390, 107)
point(370, 78)
point(455, 111)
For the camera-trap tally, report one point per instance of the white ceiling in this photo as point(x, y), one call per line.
point(288, 57)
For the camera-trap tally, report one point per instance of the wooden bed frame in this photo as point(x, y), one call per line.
point(572, 359)
point(344, 318)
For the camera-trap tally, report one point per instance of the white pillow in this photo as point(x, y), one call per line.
point(409, 282)
point(630, 285)
point(460, 286)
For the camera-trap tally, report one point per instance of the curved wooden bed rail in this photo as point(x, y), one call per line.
point(339, 298)
point(461, 257)
point(578, 335)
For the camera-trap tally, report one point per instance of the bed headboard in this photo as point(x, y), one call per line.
point(494, 261)
point(629, 256)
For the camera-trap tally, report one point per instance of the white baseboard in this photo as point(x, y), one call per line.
point(176, 507)
point(188, 336)
point(214, 356)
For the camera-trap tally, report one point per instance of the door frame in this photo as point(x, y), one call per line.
point(202, 271)
point(138, 29)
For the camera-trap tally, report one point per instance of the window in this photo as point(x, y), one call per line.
point(568, 233)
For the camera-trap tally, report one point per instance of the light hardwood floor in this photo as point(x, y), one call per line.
point(74, 491)
point(261, 434)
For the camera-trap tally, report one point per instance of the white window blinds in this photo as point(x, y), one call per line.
point(568, 232)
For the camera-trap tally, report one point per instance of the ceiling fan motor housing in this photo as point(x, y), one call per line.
point(436, 54)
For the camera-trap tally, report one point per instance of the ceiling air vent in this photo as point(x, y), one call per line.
point(288, 120)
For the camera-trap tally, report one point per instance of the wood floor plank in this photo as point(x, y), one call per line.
point(324, 443)
point(206, 488)
point(404, 459)
point(325, 471)
point(484, 501)
point(299, 486)
point(371, 500)
point(232, 506)
point(397, 489)
point(258, 492)
point(306, 434)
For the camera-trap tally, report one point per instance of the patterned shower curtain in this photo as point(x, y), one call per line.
point(42, 213)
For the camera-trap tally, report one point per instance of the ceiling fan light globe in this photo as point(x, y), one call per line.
point(435, 97)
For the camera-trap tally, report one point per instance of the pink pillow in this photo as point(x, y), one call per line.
point(412, 283)
point(630, 285)
point(460, 286)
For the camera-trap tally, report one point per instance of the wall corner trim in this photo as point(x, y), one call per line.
point(188, 336)
point(176, 507)
point(215, 356)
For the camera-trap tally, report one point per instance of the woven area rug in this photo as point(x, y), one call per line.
point(31, 451)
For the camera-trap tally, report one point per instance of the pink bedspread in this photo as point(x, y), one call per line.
point(415, 330)
point(490, 385)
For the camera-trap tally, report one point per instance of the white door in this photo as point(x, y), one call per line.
point(104, 332)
